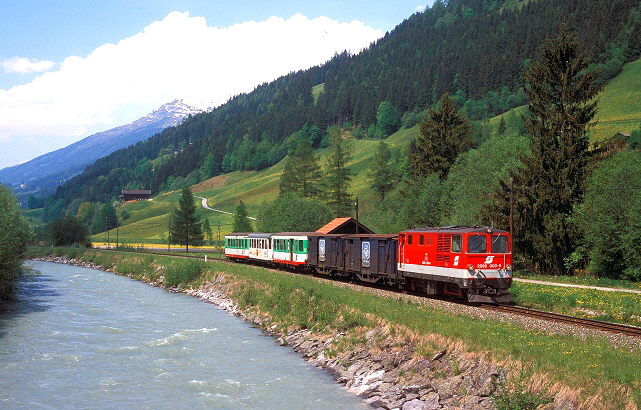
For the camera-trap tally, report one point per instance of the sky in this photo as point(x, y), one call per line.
point(70, 69)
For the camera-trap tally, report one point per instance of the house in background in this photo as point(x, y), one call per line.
point(135, 194)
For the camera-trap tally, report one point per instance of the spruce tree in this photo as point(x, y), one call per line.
point(241, 221)
point(185, 228)
point(337, 175)
point(302, 173)
point(445, 133)
point(207, 230)
point(381, 174)
point(562, 104)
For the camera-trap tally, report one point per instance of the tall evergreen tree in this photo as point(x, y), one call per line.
point(241, 221)
point(186, 229)
point(445, 133)
point(337, 175)
point(207, 230)
point(562, 104)
point(381, 174)
point(302, 173)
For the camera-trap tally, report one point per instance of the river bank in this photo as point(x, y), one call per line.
point(389, 365)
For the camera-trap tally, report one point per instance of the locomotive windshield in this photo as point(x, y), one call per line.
point(499, 244)
point(477, 244)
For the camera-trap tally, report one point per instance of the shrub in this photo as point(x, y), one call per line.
point(183, 272)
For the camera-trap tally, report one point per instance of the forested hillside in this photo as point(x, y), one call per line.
point(474, 49)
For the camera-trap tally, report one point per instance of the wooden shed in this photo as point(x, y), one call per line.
point(345, 226)
point(135, 194)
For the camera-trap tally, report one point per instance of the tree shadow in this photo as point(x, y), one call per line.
point(33, 294)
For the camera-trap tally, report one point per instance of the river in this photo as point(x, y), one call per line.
point(82, 338)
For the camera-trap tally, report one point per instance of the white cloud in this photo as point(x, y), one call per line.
point(23, 65)
point(178, 57)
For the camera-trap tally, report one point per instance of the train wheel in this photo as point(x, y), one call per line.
point(470, 295)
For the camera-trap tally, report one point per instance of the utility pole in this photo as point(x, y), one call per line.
point(107, 228)
point(356, 204)
point(169, 236)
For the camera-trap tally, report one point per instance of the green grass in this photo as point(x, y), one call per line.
point(590, 365)
point(619, 307)
point(620, 104)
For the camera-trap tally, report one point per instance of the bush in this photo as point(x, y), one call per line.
point(183, 272)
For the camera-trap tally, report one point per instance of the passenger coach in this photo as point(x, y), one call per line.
point(237, 246)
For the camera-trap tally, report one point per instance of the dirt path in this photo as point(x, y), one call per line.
point(568, 285)
point(206, 206)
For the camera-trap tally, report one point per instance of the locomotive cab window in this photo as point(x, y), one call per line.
point(420, 240)
point(457, 243)
point(409, 239)
point(476, 244)
point(499, 244)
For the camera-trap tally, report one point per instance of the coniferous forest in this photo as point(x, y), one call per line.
point(470, 53)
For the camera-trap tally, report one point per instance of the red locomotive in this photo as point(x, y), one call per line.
point(470, 262)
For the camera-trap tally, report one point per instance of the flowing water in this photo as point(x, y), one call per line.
point(82, 338)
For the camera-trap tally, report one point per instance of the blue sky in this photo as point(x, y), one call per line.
point(69, 69)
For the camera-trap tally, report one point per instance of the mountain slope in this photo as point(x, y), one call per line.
point(50, 170)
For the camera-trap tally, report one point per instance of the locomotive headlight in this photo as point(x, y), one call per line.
point(470, 268)
point(508, 268)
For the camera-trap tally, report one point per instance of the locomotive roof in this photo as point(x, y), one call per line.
point(456, 229)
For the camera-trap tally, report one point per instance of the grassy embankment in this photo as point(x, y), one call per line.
point(605, 376)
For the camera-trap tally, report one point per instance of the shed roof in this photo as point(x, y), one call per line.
point(344, 226)
point(136, 191)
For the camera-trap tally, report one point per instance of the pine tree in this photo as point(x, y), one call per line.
point(302, 173)
point(502, 127)
point(444, 135)
point(381, 174)
point(337, 175)
point(207, 230)
point(241, 221)
point(185, 228)
point(562, 104)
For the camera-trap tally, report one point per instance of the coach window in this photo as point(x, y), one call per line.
point(499, 244)
point(409, 239)
point(421, 240)
point(476, 244)
point(457, 243)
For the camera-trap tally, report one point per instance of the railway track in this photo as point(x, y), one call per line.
point(571, 320)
